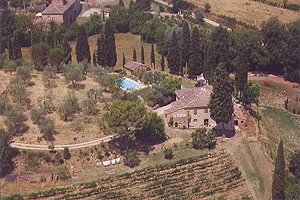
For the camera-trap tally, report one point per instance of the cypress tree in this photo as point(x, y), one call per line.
point(278, 185)
point(196, 57)
point(14, 47)
point(162, 63)
point(82, 46)
point(220, 45)
point(68, 50)
point(152, 56)
point(101, 53)
point(209, 61)
point(121, 3)
point(174, 55)
point(131, 6)
point(241, 77)
point(124, 60)
point(134, 55)
point(110, 44)
point(185, 49)
point(94, 58)
point(6, 25)
point(220, 104)
point(142, 55)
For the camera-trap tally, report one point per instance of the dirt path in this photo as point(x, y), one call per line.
point(61, 147)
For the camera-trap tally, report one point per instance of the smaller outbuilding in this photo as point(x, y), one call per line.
point(132, 67)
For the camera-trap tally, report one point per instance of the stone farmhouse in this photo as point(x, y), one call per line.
point(132, 67)
point(62, 11)
point(190, 110)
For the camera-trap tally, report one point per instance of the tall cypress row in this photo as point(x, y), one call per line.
point(124, 60)
point(110, 44)
point(278, 185)
point(121, 3)
point(162, 63)
point(134, 55)
point(142, 55)
point(174, 55)
point(82, 46)
point(185, 49)
point(101, 53)
point(152, 56)
point(6, 25)
point(14, 47)
point(196, 56)
point(221, 105)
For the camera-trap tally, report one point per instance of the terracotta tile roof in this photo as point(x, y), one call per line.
point(238, 114)
point(133, 65)
point(58, 9)
point(191, 98)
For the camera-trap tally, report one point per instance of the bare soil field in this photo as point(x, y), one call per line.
point(250, 12)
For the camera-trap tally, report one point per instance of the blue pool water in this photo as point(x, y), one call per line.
point(129, 85)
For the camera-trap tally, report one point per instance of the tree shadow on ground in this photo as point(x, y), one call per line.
point(124, 144)
point(76, 86)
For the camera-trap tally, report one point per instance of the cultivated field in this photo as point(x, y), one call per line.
point(250, 12)
point(206, 176)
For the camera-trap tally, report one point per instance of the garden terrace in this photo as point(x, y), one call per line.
point(205, 176)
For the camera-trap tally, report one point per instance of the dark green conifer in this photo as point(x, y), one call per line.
point(110, 44)
point(185, 49)
point(82, 46)
point(134, 55)
point(174, 55)
point(121, 3)
point(162, 63)
point(6, 25)
point(142, 55)
point(278, 185)
point(221, 105)
point(196, 56)
point(152, 56)
point(101, 54)
point(124, 60)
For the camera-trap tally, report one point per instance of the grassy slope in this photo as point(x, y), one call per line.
point(253, 13)
point(278, 123)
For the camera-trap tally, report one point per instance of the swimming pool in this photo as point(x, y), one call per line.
point(129, 85)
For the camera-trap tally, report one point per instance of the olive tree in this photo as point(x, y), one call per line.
point(69, 107)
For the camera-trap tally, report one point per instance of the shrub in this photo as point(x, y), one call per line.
point(24, 73)
point(201, 139)
point(58, 158)
point(66, 153)
point(37, 115)
point(15, 120)
point(68, 107)
point(294, 166)
point(132, 160)
point(46, 127)
point(168, 153)
point(207, 7)
point(39, 53)
point(199, 16)
point(64, 173)
point(5, 107)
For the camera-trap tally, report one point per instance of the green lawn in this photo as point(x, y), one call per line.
point(279, 123)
